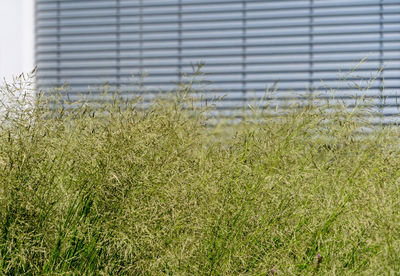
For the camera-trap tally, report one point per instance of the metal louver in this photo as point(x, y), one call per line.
point(246, 46)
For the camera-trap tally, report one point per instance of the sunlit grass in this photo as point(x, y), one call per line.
point(121, 190)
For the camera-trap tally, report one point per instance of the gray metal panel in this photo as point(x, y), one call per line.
point(246, 45)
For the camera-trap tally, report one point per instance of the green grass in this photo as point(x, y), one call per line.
point(150, 192)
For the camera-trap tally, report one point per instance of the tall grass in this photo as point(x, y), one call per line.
point(121, 190)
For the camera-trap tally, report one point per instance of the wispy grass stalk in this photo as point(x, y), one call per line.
point(129, 191)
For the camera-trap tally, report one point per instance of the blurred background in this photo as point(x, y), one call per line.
point(301, 48)
point(16, 37)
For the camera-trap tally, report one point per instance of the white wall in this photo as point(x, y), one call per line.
point(16, 37)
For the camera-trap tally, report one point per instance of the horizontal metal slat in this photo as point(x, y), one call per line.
point(226, 46)
point(279, 95)
point(372, 110)
point(266, 99)
point(85, 40)
point(220, 28)
point(254, 53)
point(263, 26)
point(294, 6)
point(160, 4)
point(228, 63)
point(369, 112)
point(214, 72)
point(223, 81)
point(279, 92)
point(230, 19)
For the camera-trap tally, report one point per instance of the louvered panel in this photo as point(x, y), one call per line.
point(300, 48)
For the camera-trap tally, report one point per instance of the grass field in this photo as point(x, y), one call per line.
point(159, 191)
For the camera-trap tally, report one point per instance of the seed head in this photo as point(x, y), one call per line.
point(272, 271)
point(319, 259)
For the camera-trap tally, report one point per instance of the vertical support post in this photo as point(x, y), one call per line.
point(244, 50)
point(179, 41)
point(381, 37)
point(311, 47)
point(141, 37)
point(35, 62)
point(118, 61)
point(58, 38)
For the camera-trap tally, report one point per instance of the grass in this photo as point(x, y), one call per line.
point(120, 190)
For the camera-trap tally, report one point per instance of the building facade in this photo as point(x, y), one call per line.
point(296, 47)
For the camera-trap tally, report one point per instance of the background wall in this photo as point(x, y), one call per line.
point(301, 47)
point(16, 37)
